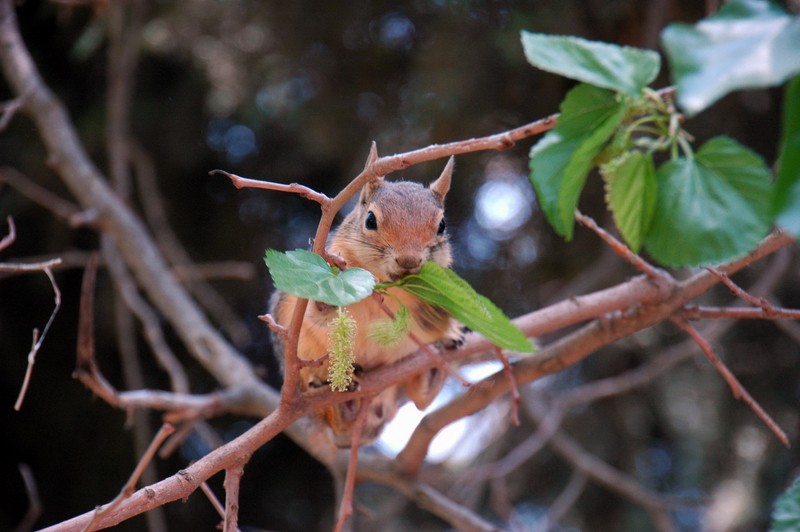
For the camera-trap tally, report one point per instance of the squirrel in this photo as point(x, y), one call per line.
point(395, 228)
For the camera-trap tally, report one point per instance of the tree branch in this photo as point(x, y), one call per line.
point(570, 350)
point(87, 184)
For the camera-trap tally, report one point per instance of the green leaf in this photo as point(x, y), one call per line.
point(713, 208)
point(631, 194)
point(561, 160)
point(746, 44)
point(786, 513)
point(786, 204)
point(307, 275)
point(619, 68)
point(442, 287)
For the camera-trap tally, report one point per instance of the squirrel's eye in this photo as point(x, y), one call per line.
point(371, 223)
point(442, 227)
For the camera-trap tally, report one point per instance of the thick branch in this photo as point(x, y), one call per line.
point(186, 481)
point(570, 350)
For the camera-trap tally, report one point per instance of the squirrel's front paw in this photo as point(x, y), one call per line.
point(455, 336)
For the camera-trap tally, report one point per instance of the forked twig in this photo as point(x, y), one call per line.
point(38, 339)
point(741, 293)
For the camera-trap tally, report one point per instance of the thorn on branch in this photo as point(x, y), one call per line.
point(273, 325)
point(315, 363)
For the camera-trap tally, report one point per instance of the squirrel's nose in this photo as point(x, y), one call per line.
point(408, 262)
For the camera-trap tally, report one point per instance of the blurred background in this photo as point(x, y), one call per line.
point(295, 92)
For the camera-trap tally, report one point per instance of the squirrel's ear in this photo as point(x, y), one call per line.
point(369, 188)
point(441, 186)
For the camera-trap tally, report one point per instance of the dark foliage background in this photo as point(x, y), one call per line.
point(296, 91)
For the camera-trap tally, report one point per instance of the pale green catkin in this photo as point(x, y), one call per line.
point(341, 343)
point(387, 333)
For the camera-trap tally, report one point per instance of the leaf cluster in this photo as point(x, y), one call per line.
point(684, 207)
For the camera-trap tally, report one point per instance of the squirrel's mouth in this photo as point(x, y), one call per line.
point(396, 276)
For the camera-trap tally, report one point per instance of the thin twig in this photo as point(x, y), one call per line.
point(701, 312)
point(509, 372)
point(29, 266)
point(35, 507)
point(60, 207)
point(155, 213)
point(8, 109)
point(38, 339)
point(614, 479)
point(129, 487)
point(739, 292)
point(152, 326)
point(212, 498)
point(619, 248)
point(346, 506)
point(243, 271)
point(739, 391)
point(293, 188)
point(273, 325)
point(565, 499)
point(11, 236)
point(69, 158)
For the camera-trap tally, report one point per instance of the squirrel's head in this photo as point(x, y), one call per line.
point(398, 226)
